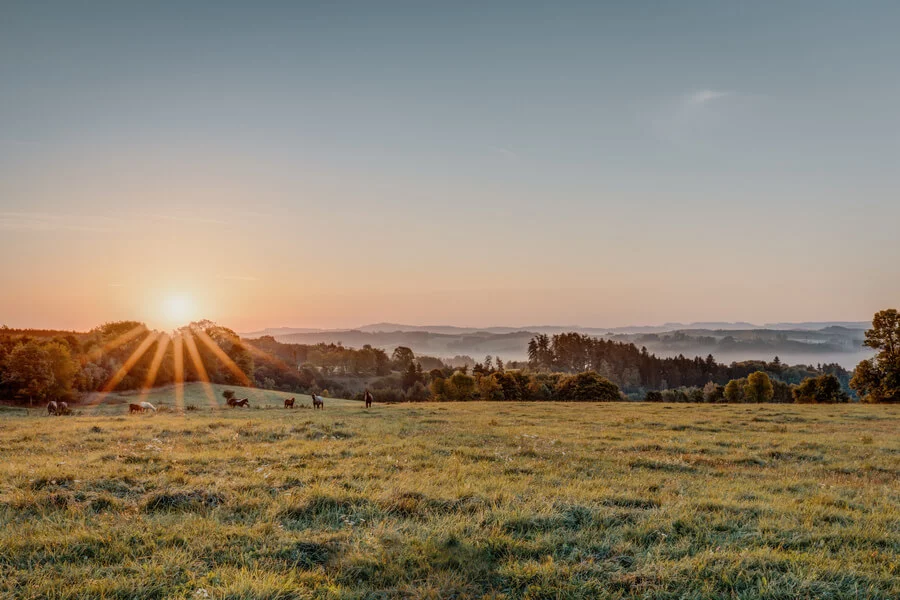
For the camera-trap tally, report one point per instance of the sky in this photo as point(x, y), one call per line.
point(331, 164)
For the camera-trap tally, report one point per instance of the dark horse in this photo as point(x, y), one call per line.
point(135, 408)
point(318, 402)
point(289, 403)
point(52, 408)
point(235, 403)
point(369, 398)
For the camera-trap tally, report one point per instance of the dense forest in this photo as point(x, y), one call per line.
point(636, 371)
point(41, 365)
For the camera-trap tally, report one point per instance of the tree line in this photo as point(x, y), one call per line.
point(122, 355)
point(637, 371)
point(50, 365)
point(573, 366)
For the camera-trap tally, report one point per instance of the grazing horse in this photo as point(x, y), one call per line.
point(147, 406)
point(318, 402)
point(63, 408)
point(289, 403)
point(135, 408)
point(52, 408)
point(235, 403)
point(369, 398)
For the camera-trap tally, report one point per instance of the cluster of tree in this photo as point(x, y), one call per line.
point(486, 380)
point(820, 390)
point(35, 369)
point(758, 387)
point(343, 371)
point(118, 356)
point(520, 385)
point(636, 371)
point(329, 359)
point(878, 379)
point(340, 361)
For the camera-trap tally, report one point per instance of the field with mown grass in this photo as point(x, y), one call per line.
point(504, 500)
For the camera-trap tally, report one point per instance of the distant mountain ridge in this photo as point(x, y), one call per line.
point(798, 343)
point(550, 329)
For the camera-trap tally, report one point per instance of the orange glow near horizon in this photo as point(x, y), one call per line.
point(184, 338)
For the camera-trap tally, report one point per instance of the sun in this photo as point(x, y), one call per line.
point(177, 310)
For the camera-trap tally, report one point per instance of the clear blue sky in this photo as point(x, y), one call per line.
point(333, 163)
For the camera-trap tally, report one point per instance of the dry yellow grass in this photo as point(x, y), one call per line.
point(510, 500)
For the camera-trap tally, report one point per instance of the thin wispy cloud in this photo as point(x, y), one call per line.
point(504, 152)
point(37, 222)
point(189, 219)
point(702, 97)
point(696, 115)
point(47, 222)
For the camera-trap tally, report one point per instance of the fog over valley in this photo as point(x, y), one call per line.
point(794, 343)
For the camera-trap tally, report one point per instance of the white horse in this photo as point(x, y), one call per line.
point(147, 406)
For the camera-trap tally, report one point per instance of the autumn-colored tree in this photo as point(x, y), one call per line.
point(734, 391)
point(758, 388)
point(489, 388)
point(437, 388)
point(459, 387)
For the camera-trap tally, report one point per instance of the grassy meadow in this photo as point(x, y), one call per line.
point(499, 500)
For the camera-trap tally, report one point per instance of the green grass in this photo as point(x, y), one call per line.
point(197, 396)
point(503, 500)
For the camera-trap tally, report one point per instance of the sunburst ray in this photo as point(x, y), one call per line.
point(124, 369)
point(226, 360)
point(201, 370)
point(178, 365)
point(115, 343)
point(257, 352)
point(162, 346)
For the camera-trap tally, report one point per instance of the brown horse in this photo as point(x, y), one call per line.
point(135, 408)
point(289, 403)
point(52, 408)
point(369, 398)
point(318, 402)
point(63, 408)
point(235, 403)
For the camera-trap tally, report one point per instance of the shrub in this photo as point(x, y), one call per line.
point(822, 389)
point(587, 387)
point(713, 392)
point(417, 393)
